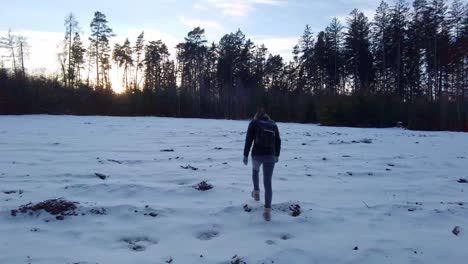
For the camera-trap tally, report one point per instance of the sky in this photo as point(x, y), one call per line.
point(275, 23)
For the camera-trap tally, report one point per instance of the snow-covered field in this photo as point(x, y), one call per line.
point(366, 195)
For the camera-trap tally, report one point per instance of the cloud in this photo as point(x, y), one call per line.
point(200, 7)
point(268, 2)
point(278, 45)
point(240, 8)
point(206, 24)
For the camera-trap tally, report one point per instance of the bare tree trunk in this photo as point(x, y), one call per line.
point(126, 77)
point(89, 72)
point(136, 74)
point(97, 62)
point(384, 62)
point(69, 54)
point(22, 60)
point(14, 59)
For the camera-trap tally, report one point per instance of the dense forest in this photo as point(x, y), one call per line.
point(408, 63)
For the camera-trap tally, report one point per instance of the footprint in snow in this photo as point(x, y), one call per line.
point(207, 235)
point(139, 243)
point(286, 236)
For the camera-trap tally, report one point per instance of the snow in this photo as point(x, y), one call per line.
point(391, 193)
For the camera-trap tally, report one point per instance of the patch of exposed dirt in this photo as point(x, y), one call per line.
point(204, 186)
point(295, 210)
point(58, 207)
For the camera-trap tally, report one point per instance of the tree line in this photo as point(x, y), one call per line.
point(408, 64)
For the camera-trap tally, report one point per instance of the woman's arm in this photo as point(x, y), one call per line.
point(249, 138)
point(277, 142)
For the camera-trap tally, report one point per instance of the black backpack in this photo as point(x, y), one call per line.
point(265, 134)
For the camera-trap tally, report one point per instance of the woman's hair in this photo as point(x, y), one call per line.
point(261, 114)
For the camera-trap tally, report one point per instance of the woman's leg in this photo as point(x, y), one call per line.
point(267, 175)
point(255, 172)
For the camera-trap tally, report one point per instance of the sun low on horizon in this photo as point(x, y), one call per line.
point(116, 81)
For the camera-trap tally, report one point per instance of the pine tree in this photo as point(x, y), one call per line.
point(440, 44)
point(231, 47)
point(156, 53)
point(71, 27)
point(321, 54)
point(334, 38)
point(398, 36)
point(122, 55)
point(307, 66)
point(191, 58)
point(100, 35)
point(381, 45)
point(77, 59)
point(458, 55)
point(138, 51)
point(417, 62)
point(357, 52)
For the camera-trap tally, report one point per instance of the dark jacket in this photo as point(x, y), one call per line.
point(259, 150)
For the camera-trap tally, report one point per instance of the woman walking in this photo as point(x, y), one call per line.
point(264, 134)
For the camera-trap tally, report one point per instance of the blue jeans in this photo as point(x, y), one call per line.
point(268, 163)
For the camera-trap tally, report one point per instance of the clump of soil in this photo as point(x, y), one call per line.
point(204, 186)
point(295, 210)
point(237, 260)
point(98, 211)
point(189, 167)
point(58, 207)
point(339, 142)
point(456, 230)
point(101, 176)
point(167, 150)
